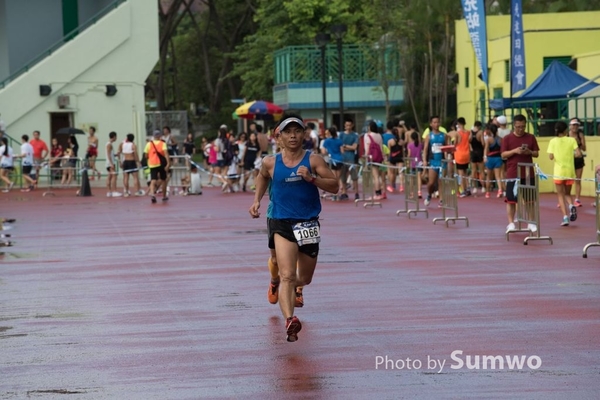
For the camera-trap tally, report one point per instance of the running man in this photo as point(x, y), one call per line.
point(295, 177)
point(131, 165)
point(433, 155)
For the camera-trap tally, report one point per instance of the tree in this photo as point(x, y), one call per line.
point(169, 18)
point(288, 23)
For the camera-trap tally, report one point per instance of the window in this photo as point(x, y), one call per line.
point(562, 59)
point(497, 93)
point(482, 105)
point(466, 77)
point(506, 70)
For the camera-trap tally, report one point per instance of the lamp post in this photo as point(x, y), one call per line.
point(338, 32)
point(321, 40)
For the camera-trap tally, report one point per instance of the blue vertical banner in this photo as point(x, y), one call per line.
point(517, 49)
point(474, 11)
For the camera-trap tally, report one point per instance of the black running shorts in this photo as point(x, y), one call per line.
point(284, 229)
point(157, 173)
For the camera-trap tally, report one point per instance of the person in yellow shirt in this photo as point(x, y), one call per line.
point(158, 161)
point(561, 150)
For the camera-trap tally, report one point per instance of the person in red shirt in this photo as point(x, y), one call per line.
point(40, 152)
point(517, 147)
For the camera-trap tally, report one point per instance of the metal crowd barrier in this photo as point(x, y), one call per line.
point(412, 186)
point(368, 187)
point(528, 203)
point(57, 174)
point(179, 174)
point(597, 243)
point(448, 188)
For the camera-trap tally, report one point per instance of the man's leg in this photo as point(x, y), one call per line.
point(108, 181)
point(306, 269)
point(431, 183)
point(126, 182)
point(343, 178)
point(165, 180)
point(273, 292)
point(136, 180)
point(510, 212)
point(287, 258)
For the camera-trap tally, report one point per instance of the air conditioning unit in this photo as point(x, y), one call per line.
point(63, 101)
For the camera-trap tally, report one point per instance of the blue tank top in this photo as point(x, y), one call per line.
point(494, 149)
point(436, 141)
point(292, 197)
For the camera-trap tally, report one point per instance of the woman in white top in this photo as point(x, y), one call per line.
point(6, 164)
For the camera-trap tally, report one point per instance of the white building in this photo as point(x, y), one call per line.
point(94, 79)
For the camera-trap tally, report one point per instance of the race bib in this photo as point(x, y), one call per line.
point(436, 148)
point(307, 232)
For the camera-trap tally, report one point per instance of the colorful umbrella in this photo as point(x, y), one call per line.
point(259, 109)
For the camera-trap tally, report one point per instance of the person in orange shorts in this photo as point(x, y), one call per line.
point(561, 150)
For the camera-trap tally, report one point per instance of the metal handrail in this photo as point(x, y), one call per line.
point(69, 36)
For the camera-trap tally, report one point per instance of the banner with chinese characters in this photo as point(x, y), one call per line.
point(517, 66)
point(474, 11)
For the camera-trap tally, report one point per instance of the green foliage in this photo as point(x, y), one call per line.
point(241, 65)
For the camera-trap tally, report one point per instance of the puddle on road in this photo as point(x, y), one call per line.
point(253, 232)
point(56, 391)
point(18, 256)
point(236, 305)
point(5, 329)
point(228, 295)
point(65, 315)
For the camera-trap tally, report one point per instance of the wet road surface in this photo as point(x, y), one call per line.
point(116, 298)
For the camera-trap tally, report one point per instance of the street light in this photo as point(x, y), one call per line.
point(321, 40)
point(338, 32)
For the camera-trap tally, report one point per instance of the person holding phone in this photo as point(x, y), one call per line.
point(517, 147)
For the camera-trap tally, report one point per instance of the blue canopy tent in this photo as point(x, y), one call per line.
point(555, 83)
point(546, 98)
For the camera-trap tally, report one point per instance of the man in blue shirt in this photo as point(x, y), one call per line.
point(350, 145)
point(293, 177)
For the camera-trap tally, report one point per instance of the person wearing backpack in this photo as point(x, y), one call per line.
point(433, 155)
point(374, 151)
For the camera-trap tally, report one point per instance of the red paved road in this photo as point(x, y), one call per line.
point(116, 298)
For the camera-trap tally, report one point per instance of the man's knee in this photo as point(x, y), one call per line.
point(288, 276)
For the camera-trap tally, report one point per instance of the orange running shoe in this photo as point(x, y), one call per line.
point(273, 293)
point(299, 300)
point(292, 327)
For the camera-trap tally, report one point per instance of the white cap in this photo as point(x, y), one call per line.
point(501, 120)
point(223, 126)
